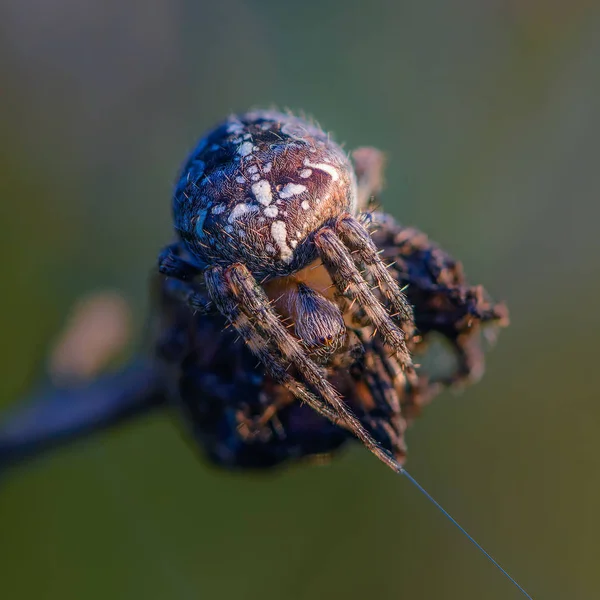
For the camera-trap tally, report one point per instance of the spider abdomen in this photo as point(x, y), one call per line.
point(256, 188)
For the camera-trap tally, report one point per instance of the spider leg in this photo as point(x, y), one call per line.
point(228, 302)
point(237, 287)
point(384, 417)
point(349, 281)
point(375, 369)
point(358, 240)
point(172, 264)
point(180, 273)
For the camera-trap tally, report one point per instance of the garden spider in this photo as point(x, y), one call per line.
point(270, 216)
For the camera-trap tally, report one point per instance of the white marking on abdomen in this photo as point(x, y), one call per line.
point(329, 169)
point(245, 148)
point(239, 210)
point(279, 233)
point(291, 189)
point(262, 192)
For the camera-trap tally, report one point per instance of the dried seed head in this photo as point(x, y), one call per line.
point(256, 188)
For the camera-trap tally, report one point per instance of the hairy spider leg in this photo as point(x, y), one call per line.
point(358, 240)
point(228, 302)
point(366, 255)
point(180, 273)
point(171, 264)
point(385, 421)
point(254, 303)
point(379, 378)
point(350, 283)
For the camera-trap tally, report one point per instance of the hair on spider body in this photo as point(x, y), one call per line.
point(257, 188)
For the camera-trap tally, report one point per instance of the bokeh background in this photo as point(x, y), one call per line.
point(489, 113)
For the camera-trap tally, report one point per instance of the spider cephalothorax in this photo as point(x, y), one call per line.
point(267, 196)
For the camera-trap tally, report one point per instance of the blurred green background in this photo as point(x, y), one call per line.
point(490, 115)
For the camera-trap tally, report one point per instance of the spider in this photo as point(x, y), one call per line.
point(272, 220)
